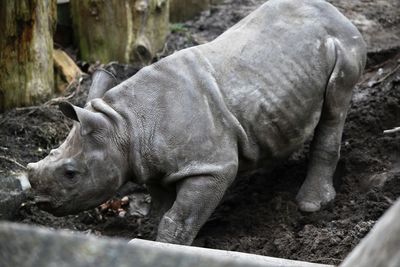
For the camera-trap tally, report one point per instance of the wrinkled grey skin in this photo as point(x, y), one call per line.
point(187, 125)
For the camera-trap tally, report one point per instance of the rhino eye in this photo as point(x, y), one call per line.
point(70, 174)
point(70, 170)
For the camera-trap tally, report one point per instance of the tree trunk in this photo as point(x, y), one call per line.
point(381, 247)
point(26, 51)
point(128, 31)
point(182, 10)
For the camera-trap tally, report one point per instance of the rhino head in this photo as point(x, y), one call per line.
point(88, 167)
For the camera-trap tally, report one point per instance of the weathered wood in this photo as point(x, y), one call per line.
point(26, 47)
point(182, 10)
point(24, 245)
point(195, 256)
point(65, 69)
point(381, 247)
point(129, 31)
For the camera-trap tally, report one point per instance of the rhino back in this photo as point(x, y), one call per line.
point(273, 68)
point(253, 94)
point(177, 118)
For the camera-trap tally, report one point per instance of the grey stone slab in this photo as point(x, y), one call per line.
point(11, 196)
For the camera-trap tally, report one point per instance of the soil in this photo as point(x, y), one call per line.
point(259, 214)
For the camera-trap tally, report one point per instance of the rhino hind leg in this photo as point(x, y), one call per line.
point(317, 188)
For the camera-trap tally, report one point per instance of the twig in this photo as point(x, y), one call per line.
point(13, 161)
point(76, 82)
point(397, 129)
point(386, 76)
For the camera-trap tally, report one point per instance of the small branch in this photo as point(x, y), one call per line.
point(397, 129)
point(386, 76)
point(76, 83)
point(13, 161)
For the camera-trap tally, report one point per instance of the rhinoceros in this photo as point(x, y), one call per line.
point(187, 125)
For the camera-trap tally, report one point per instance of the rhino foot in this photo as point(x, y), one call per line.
point(312, 198)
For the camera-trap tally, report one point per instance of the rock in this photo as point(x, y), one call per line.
point(139, 204)
point(11, 195)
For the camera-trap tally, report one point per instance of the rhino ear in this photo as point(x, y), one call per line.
point(68, 110)
point(89, 120)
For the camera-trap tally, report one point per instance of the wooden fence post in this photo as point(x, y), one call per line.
point(26, 51)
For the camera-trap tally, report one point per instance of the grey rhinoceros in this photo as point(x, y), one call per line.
point(188, 124)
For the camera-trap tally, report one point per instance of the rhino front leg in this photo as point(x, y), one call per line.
point(196, 199)
point(318, 188)
point(162, 199)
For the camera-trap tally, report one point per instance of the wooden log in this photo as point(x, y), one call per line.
point(26, 51)
point(24, 245)
point(130, 31)
point(182, 10)
point(381, 247)
point(195, 256)
point(66, 71)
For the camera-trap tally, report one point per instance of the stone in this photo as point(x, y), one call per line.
point(11, 195)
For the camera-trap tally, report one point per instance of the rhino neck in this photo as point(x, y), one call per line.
point(154, 103)
point(132, 101)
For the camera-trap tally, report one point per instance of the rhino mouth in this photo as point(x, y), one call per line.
point(53, 207)
point(43, 203)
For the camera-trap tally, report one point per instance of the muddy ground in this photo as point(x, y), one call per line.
point(259, 214)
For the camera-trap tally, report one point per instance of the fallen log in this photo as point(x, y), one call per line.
point(24, 245)
point(195, 256)
point(381, 247)
point(66, 71)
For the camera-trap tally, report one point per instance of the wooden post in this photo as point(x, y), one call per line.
point(128, 31)
point(26, 51)
point(182, 10)
point(381, 247)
